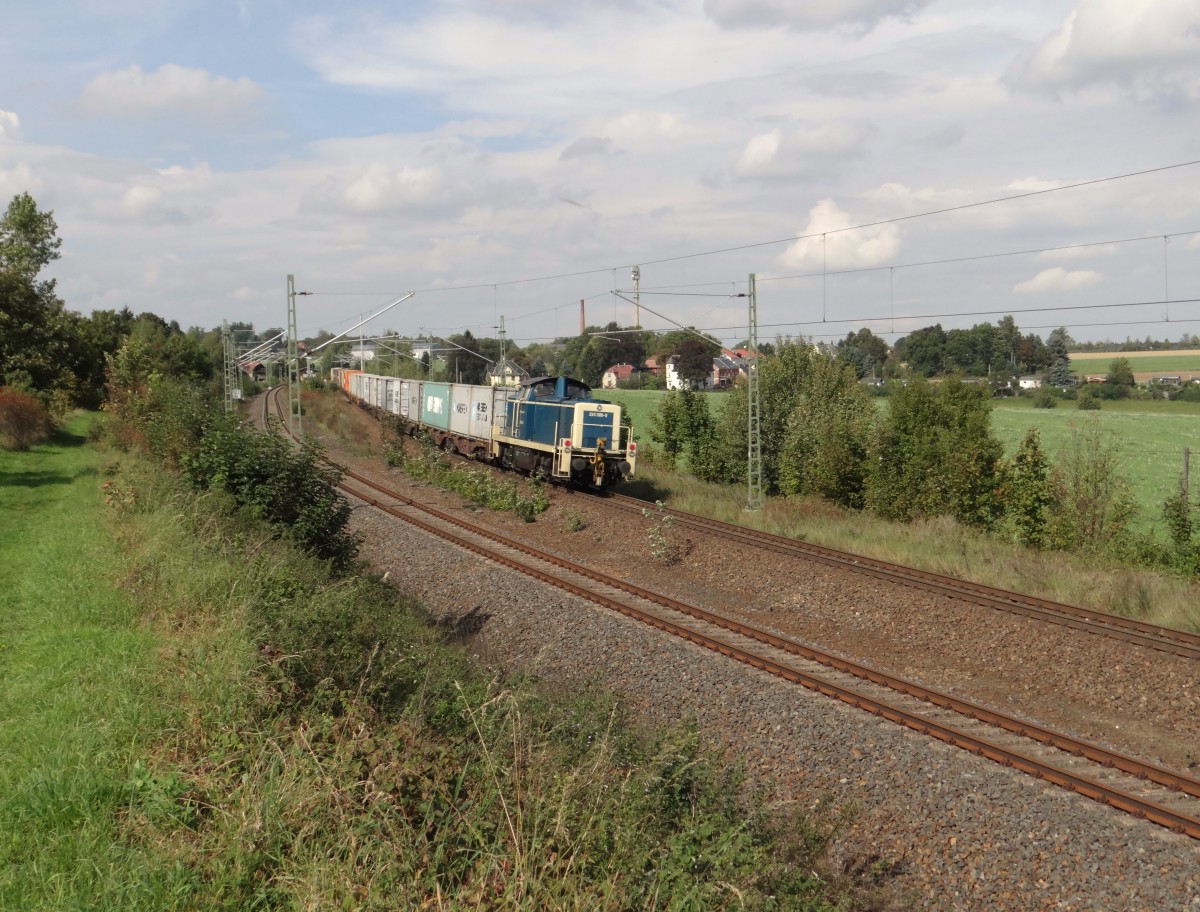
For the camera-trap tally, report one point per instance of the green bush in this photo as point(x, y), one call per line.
point(1045, 398)
point(936, 455)
point(1029, 499)
point(289, 487)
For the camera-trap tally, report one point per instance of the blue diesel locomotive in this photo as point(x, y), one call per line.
point(548, 425)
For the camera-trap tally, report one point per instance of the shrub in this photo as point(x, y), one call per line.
point(1092, 503)
point(1029, 496)
point(1044, 398)
point(291, 488)
point(23, 421)
point(1185, 550)
point(936, 455)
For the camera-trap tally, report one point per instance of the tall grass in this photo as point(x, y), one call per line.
point(199, 717)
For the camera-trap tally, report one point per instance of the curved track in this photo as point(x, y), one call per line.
point(1145, 790)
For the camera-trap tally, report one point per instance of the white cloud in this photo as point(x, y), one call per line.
point(812, 15)
point(760, 151)
point(1057, 279)
point(376, 188)
point(170, 89)
point(140, 201)
point(10, 125)
point(828, 243)
point(1145, 47)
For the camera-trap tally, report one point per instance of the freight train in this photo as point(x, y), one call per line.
point(548, 425)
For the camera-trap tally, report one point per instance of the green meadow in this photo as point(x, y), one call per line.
point(1151, 436)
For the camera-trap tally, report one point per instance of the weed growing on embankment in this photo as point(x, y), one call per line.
point(479, 486)
point(202, 717)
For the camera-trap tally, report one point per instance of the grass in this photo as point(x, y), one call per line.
point(182, 729)
point(1151, 433)
point(76, 701)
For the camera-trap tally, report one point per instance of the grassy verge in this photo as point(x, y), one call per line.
point(198, 717)
point(76, 704)
point(941, 545)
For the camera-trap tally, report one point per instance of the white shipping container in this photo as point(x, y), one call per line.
point(471, 411)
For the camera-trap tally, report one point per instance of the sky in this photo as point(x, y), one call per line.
point(878, 163)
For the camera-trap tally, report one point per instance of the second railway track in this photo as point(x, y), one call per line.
point(1164, 639)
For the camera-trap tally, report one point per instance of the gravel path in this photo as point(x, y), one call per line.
point(963, 833)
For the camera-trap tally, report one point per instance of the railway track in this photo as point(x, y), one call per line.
point(1132, 785)
point(1129, 630)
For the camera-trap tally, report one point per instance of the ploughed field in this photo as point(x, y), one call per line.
point(967, 827)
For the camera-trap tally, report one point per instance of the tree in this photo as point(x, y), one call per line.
point(864, 351)
point(924, 350)
point(829, 433)
point(465, 364)
point(681, 423)
point(694, 361)
point(28, 239)
point(1029, 496)
point(1058, 345)
point(1120, 373)
point(936, 455)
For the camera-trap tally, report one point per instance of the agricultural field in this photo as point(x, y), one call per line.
point(1143, 364)
point(1151, 435)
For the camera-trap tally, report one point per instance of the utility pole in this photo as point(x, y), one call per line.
point(637, 312)
point(227, 345)
point(582, 325)
point(293, 360)
point(754, 492)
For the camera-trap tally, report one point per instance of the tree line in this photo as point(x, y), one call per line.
point(53, 359)
point(931, 453)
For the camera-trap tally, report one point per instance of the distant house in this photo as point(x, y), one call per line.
point(1030, 383)
point(725, 371)
point(676, 382)
point(1095, 378)
point(506, 373)
point(651, 366)
point(618, 374)
point(255, 370)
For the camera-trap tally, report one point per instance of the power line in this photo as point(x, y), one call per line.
point(982, 256)
point(792, 238)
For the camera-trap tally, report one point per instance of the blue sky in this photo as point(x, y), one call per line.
point(195, 153)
